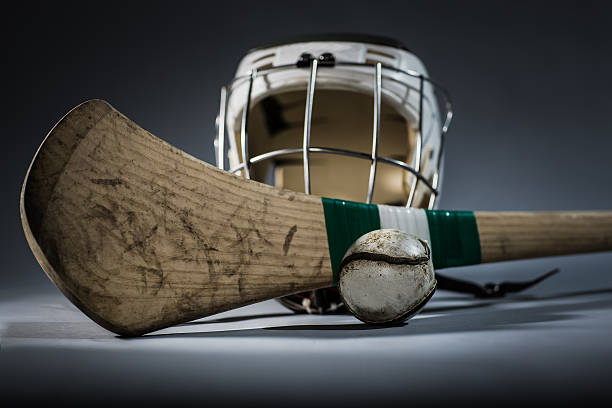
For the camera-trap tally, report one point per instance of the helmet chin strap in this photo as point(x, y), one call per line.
point(488, 290)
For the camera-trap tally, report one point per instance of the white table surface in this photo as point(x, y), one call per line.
point(552, 343)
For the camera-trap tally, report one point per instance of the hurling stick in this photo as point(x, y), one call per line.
point(140, 235)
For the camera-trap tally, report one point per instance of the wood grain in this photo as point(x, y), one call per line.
point(140, 235)
point(506, 236)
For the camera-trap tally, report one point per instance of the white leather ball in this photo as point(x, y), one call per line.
point(386, 276)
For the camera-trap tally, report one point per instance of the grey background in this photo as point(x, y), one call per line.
point(531, 84)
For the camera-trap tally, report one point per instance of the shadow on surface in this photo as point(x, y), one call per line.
point(231, 319)
point(492, 315)
point(509, 299)
point(565, 295)
point(470, 315)
point(447, 296)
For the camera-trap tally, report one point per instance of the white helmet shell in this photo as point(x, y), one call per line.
point(352, 117)
point(347, 68)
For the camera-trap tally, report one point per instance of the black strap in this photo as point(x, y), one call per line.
point(488, 290)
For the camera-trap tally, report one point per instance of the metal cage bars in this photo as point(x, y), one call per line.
point(307, 149)
point(312, 79)
point(375, 131)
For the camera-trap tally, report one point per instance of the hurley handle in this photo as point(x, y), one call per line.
point(459, 238)
point(506, 236)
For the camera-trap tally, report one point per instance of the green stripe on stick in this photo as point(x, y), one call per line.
point(346, 221)
point(454, 238)
point(453, 234)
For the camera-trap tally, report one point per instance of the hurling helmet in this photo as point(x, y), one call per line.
point(352, 117)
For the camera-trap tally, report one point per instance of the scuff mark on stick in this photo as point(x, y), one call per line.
point(288, 239)
point(107, 182)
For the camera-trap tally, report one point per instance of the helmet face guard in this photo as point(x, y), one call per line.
point(352, 118)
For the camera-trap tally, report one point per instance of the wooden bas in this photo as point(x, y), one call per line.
point(140, 235)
